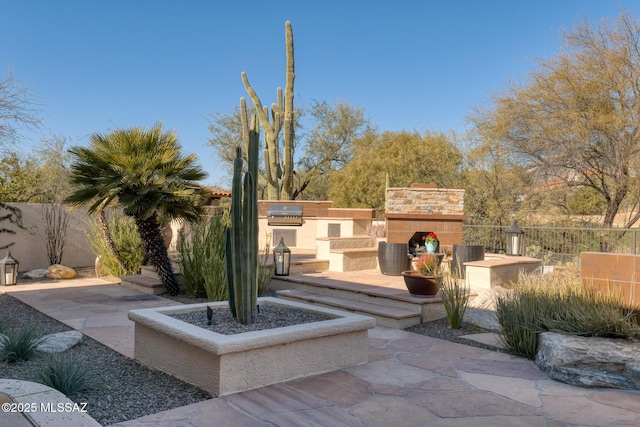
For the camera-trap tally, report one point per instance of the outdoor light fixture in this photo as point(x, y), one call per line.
point(514, 236)
point(8, 270)
point(282, 258)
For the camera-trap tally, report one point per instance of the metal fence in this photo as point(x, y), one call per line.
point(556, 244)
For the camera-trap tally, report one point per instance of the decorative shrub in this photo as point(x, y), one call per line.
point(455, 298)
point(66, 372)
point(127, 241)
point(559, 302)
point(428, 265)
point(19, 345)
point(201, 249)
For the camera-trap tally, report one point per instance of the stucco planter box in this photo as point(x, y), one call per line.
point(225, 364)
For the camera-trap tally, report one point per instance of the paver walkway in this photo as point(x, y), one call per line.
point(410, 380)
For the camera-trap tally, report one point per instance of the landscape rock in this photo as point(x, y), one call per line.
point(53, 343)
point(35, 274)
point(59, 342)
point(590, 361)
point(58, 271)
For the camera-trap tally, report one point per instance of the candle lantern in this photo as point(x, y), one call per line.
point(514, 236)
point(282, 258)
point(8, 270)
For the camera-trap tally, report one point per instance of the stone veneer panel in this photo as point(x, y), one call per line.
point(425, 209)
point(425, 201)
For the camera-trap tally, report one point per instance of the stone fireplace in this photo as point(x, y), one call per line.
point(423, 208)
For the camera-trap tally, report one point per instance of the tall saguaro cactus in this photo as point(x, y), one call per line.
point(241, 239)
point(279, 174)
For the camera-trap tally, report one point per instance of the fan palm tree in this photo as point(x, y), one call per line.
point(145, 173)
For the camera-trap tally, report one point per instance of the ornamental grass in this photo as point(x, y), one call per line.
point(560, 302)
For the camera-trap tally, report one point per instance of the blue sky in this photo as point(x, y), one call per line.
point(412, 65)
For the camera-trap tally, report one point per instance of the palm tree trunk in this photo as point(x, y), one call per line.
point(106, 235)
point(149, 230)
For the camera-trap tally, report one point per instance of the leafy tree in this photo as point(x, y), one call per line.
point(576, 120)
point(19, 179)
point(404, 157)
point(145, 172)
point(329, 146)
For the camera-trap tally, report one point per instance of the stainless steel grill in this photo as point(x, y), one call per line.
point(284, 215)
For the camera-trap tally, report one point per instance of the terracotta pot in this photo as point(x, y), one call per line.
point(421, 286)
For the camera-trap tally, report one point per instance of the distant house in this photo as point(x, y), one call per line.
point(215, 196)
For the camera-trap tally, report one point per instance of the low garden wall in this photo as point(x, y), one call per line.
point(29, 246)
point(617, 272)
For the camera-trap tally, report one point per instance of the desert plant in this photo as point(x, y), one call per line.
point(125, 238)
point(265, 268)
point(455, 298)
point(145, 171)
point(66, 372)
point(519, 323)
point(202, 257)
point(560, 302)
point(19, 345)
point(241, 238)
point(428, 264)
point(278, 172)
point(56, 222)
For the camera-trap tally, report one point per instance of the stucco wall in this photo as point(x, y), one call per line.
point(30, 247)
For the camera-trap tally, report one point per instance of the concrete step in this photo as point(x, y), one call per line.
point(308, 266)
point(142, 283)
point(428, 309)
point(353, 259)
point(391, 317)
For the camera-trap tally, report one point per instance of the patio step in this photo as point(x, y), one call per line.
point(356, 296)
point(144, 283)
point(391, 317)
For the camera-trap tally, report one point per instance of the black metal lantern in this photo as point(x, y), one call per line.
point(514, 236)
point(282, 258)
point(8, 270)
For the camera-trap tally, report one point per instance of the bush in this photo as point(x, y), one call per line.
point(202, 258)
point(560, 302)
point(201, 249)
point(455, 298)
point(127, 241)
point(19, 345)
point(65, 372)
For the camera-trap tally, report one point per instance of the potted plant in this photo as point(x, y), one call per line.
point(426, 280)
point(430, 242)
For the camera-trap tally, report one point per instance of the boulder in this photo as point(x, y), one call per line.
point(58, 271)
point(35, 274)
point(590, 361)
point(59, 342)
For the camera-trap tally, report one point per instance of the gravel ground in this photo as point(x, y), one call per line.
point(268, 317)
point(123, 389)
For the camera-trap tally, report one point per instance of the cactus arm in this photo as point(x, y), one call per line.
point(287, 180)
point(229, 265)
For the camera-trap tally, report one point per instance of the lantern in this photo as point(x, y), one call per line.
point(514, 236)
point(282, 258)
point(8, 270)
